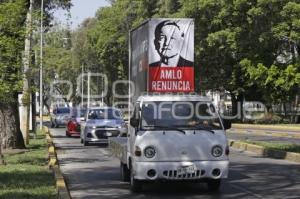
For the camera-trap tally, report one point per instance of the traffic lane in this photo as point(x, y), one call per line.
point(253, 137)
point(264, 177)
point(92, 172)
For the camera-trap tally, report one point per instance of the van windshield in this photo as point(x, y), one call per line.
point(63, 111)
point(180, 115)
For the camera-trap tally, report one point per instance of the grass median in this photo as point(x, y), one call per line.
point(286, 127)
point(26, 175)
point(276, 146)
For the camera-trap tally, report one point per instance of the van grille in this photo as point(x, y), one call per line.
point(172, 174)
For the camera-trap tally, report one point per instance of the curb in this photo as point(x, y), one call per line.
point(263, 151)
point(61, 186)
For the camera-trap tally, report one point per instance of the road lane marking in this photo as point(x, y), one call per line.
point(246, 190)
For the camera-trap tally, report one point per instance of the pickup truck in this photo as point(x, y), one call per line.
point(173, 138)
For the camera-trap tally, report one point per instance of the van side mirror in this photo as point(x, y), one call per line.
point(134, 122)
point(226, 124)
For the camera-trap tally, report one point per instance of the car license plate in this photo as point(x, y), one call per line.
point(108, 134)
point(186, 169)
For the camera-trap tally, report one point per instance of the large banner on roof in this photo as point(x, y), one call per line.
point(171, 55)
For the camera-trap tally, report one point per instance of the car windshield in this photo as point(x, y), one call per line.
point(62, 111)
point(78, 112)
point(98, 114)
point(180, 115)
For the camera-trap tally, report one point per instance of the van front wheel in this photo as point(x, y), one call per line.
point(214, 184)
point(135, 185)
point(125, 173)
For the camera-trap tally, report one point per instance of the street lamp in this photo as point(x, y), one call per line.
point(41, 67)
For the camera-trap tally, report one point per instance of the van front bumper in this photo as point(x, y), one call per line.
point(170, 170)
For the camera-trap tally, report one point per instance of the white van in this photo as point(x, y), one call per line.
point(174, 137)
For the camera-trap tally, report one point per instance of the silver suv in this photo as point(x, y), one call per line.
point(102, 123)
point(59, 117)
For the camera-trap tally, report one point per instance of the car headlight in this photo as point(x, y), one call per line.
point(217, 151)
point(149, 152)
point(90, 127)
point(123, 125)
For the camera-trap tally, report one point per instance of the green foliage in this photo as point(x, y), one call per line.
point(12, 15)
point(105, 48)
point(12, 36)
point(248, 48)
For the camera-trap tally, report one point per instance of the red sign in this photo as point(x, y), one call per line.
point(171, 79)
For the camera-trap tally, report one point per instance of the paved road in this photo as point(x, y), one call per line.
point(91, 172)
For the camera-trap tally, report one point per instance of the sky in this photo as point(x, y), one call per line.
point(80, 10)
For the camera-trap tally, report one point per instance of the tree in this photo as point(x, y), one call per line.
point(12, 15)
point(59, 63)
point(49, 6)
point(12, 40)
point(230, 32)
point(106, 38)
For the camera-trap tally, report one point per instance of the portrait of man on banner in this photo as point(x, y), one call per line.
point(173, 44)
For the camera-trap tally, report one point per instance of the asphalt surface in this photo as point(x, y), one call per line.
point(91, 172)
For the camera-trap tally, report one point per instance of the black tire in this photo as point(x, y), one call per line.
point(214, 185)
point(81, 141)
point(55, 124)
point(52, 124)
point(125, 172)
point(136, 186)
point(67, 134)
point(86, 143)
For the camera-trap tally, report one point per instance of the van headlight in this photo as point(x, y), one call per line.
point(149, 152)
point(217, 151)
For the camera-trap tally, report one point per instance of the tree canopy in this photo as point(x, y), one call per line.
point(249, 48)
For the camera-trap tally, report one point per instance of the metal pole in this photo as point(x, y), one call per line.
point(102, 100)
point(89, 91)
point(82, 70)
point(41, 68)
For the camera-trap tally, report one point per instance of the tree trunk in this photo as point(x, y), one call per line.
point(240, 99)
point(10, 132)
point(295, 110)
point(234, 105)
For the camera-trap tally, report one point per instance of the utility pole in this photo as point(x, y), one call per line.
point(82, 71)
point(41, 68)
point(26, 95)
point(89, 91)
point(102, 100)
